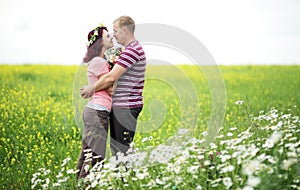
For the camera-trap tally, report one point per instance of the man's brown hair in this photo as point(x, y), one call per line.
point(126, 21)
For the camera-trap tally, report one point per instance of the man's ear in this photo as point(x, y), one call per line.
point(125, 29)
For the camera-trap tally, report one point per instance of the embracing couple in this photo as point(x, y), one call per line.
point(115, 92)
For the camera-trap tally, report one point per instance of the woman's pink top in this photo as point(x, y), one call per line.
point(96, 67)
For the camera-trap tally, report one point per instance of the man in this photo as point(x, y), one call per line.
point(129, 72)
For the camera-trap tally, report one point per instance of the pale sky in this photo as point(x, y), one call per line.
point(234, 31)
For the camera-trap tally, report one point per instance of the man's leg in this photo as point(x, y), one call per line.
point(122, 128)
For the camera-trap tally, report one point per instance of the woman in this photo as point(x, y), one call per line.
point(96, 112)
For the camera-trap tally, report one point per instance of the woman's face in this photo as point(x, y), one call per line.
point(107, 39)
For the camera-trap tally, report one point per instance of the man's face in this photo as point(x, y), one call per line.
point(119, 33)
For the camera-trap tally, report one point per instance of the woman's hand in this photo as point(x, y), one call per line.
point(87, 91)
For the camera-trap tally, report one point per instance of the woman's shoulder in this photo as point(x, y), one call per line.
point(98, 60)
point(98, 65)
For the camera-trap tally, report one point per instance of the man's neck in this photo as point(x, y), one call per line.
point(129, 41)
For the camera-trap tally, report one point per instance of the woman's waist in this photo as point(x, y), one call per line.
point(101, 94)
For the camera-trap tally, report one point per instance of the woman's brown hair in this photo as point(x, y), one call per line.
point(95, 44)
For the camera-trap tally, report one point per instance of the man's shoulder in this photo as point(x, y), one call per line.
point(134, 48)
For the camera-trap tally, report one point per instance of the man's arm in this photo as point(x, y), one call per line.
point(104, 82)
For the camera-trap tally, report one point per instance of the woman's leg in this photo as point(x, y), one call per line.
point(94, 138)
point(80, 161)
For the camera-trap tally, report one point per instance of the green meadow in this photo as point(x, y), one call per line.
point(249, 113)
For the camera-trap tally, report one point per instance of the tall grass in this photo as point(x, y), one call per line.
point(257, 146)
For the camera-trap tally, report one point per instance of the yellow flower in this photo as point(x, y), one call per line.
point(13, 160)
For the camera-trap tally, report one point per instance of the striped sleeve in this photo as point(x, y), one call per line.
point(128, 57)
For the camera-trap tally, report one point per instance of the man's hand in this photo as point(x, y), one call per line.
point(104, 82)
point(87, 91)
point(112, 88)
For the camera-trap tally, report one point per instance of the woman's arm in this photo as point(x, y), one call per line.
point(104, 82)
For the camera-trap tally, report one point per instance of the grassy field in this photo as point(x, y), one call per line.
point(257, 145)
